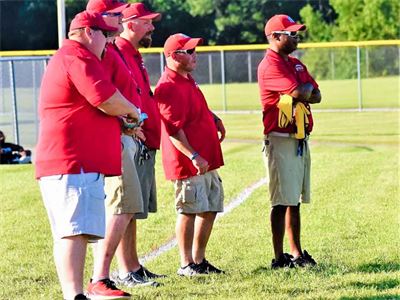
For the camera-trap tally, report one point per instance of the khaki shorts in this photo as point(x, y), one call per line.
point(289, 174)
point(75, 204)
point(124, 195)
point(198, 194)
point(147, 178)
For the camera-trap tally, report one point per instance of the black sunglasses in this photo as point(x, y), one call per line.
point(288, 33)
point(106, 33)
point(188, 51)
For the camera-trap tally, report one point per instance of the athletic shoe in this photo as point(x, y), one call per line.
point(304, 260)
point(190, 270)
point(105, 289)
point(133, 279)
point(80, 297)
point(207, 268)
point(145, 273)
point(284, 261)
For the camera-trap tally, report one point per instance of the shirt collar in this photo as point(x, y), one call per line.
point(127, 46)
point(178, 77)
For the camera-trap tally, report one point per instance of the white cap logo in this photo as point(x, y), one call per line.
point(290, 20)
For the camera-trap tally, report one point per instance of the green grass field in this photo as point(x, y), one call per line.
point(351, 227)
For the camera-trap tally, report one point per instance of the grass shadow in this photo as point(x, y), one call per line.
point(379, 286)
point(379, 267)
point(377, 297)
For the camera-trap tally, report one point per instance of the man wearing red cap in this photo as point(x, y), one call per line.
point(191, 153)
point(138, 27)
point(77, 109)
point(121, 205)
point(287, 90)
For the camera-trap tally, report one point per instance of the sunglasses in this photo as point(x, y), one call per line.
point(288, 33)
point(188, 51)
point(108, 14)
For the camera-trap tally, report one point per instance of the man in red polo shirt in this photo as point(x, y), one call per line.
point(138, 28)
point(78, 130)
point(121, 205)
point(287, 90)
point(191, 153)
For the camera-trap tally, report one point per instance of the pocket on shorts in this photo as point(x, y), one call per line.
point(266, 147)
point(188, 192)
point(95, 184)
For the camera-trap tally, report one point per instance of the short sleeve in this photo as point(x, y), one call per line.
point(90, 80)
point(172, 111)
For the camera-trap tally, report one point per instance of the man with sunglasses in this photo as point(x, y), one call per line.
point(287, 90)
point(121, 205)
point(137, 30)
point(191, 153)
point(77, 109)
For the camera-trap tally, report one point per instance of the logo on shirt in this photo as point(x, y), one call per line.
point(299, 68)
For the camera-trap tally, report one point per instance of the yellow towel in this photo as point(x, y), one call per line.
point(301, 116)
point(285, 117)
point(285, 106)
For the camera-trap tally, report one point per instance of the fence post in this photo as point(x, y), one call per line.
point(333, 64)
point(366, 63)
point(224, 104)
point(210, 70)
point(249, 66)
point(359, 78)
point(161, 63)
point(14, 101)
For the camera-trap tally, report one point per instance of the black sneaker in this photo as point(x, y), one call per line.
point(80, 297)
point(190, 270)
point(145, 273)
point(133, 280)
point(284, 261)
point(304, 260)
point(206, 268)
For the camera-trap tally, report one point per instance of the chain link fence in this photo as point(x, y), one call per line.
point(351, 76)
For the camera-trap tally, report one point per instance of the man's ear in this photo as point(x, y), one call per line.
point(174, 56)
point(130, 26)
point(88, 32)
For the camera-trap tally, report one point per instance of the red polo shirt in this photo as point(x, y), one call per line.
point(120, 75)
point(182, 106)
point(74, 135)
point(276, 77)
point(134, 60)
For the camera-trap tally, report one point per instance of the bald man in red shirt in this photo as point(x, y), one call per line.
point(191, 153)
point(287, 90)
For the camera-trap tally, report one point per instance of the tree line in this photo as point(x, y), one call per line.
point(32, 24)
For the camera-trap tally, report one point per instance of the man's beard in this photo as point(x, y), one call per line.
point(146, 40)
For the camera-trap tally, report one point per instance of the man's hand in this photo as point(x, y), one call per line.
point(201, 165)
point(140, 134)
point(221, 129)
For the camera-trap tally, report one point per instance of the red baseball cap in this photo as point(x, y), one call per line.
point(89, 19)
point(180, 41)
point(139, 11)
point(282, 23)
point(110, 6)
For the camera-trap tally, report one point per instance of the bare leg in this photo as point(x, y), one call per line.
point(69, 257)
point(127, 252)
point(105, 250)
point(184, 235)
point(293, 229)
point(202, 231)
point(278, 228)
